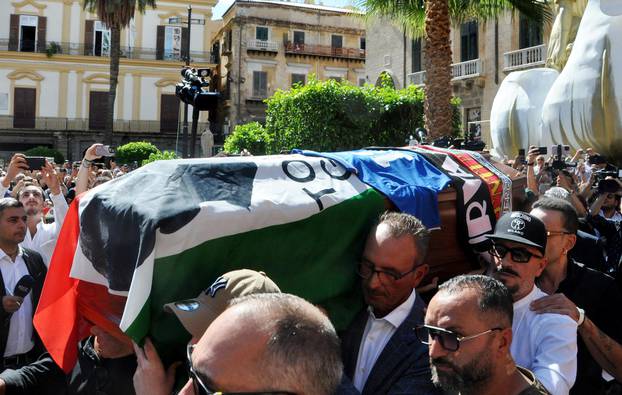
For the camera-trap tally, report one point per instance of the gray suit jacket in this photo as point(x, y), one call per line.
point(403, 367)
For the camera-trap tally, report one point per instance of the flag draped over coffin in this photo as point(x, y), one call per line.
point(165, 231)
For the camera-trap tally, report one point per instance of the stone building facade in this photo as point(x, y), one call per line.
point(54, 74)
point(483, 54)
point(268, 45)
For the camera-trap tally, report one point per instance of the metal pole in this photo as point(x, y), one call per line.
point(193, 138)
point(184, 133)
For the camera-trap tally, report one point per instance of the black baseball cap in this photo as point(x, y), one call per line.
point(522, 228)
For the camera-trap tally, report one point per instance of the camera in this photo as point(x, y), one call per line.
point(559, 153)
point(191, 89)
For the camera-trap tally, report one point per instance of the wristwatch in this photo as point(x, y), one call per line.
point(581, 316)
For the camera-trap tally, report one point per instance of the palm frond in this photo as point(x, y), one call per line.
point(117, 13)
point(410, 14)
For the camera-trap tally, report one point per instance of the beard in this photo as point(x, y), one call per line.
point(513, 287)
point(466, 379)
point(32, 210)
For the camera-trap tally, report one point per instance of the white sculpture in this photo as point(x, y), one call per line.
point(582, 106)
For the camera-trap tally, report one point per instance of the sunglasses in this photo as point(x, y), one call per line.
point(201, 389)
point(449, 340)
point(518, 254)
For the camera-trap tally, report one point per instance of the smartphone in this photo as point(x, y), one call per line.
point(35, 162)
point(542, 150)
point(521, 152)
point(104, 150)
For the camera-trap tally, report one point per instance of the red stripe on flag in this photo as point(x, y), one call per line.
point(55, 319)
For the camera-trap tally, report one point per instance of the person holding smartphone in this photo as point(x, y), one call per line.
point(40, 236)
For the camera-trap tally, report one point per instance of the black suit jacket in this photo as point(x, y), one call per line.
point(38, 270)
point(403, 366)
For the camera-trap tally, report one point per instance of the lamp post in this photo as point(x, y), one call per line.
point(189, 22)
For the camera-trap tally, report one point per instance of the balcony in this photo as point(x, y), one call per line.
point(261, 45)
point(58, 48)
point(7, 122)
point(459, 71)
point(468, 69)
point(417, 78)
point(524, 58)
point(323, 50)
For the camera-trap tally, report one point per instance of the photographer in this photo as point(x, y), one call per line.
point(606, 219)
point(40, 236)
point(85, 173)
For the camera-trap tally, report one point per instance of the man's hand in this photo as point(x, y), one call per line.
point(556, 304)
point(2, 387)
point(51, 180)
point(532, 154)
point(90, 152)
point(11, 304)
point(150, 377)
point(16, 166)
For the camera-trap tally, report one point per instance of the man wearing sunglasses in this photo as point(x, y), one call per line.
point(587, 296)
point(381, 352)
point(266, 344)
point(468, 327)
point(543, 343)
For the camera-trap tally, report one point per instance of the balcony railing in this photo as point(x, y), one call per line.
point(59, 48)
point(8, 122)
point(524, 58)
point(261, 45)
point(417, 78)
point(468, 69)
point(460, 71)
point(324, 50)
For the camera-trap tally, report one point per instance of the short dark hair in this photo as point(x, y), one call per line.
point(402, 224)
point(569, 214)
point(303, 346)
point(9, 202)
point(493, 296)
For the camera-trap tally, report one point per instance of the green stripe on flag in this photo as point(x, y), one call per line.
point(314, 258)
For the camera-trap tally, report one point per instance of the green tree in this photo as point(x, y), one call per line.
point(116, 14)
point(135, 152)
point(431, 19)
point(251, 136)
point(47, 152)
point(333, 116)
point(164, 155)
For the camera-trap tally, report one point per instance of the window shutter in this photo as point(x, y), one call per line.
point(42, 26)
point(160, 43)
point(184, 41)
point(88, 37)
point(14, 33)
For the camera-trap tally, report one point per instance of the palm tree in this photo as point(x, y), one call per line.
point(432, 20)
point(116, 14)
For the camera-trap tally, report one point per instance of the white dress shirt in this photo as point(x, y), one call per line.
point(20, 329)
point(546, 344)
point(377, 333)
point(44, 240)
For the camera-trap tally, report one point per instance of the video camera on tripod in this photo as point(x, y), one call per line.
point(191, 89)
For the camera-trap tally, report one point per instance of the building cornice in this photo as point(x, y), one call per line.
point(92, 60)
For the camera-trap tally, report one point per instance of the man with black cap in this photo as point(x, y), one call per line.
point(543, 343)
point(196, 315)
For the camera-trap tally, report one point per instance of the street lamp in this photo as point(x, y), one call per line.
point(189, 21)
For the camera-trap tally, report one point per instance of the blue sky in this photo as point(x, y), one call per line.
point(222, 5)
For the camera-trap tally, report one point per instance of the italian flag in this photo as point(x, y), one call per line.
point(166, 231)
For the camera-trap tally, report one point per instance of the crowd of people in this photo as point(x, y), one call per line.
point(539, 318)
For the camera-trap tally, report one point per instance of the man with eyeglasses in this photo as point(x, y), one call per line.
point(587, 296)
point(468, 327)
point(381, 352)
point(270, 344)
point(543, 343)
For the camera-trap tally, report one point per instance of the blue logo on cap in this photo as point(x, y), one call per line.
point(221, 282)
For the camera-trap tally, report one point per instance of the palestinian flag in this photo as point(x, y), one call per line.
point(166, 231)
